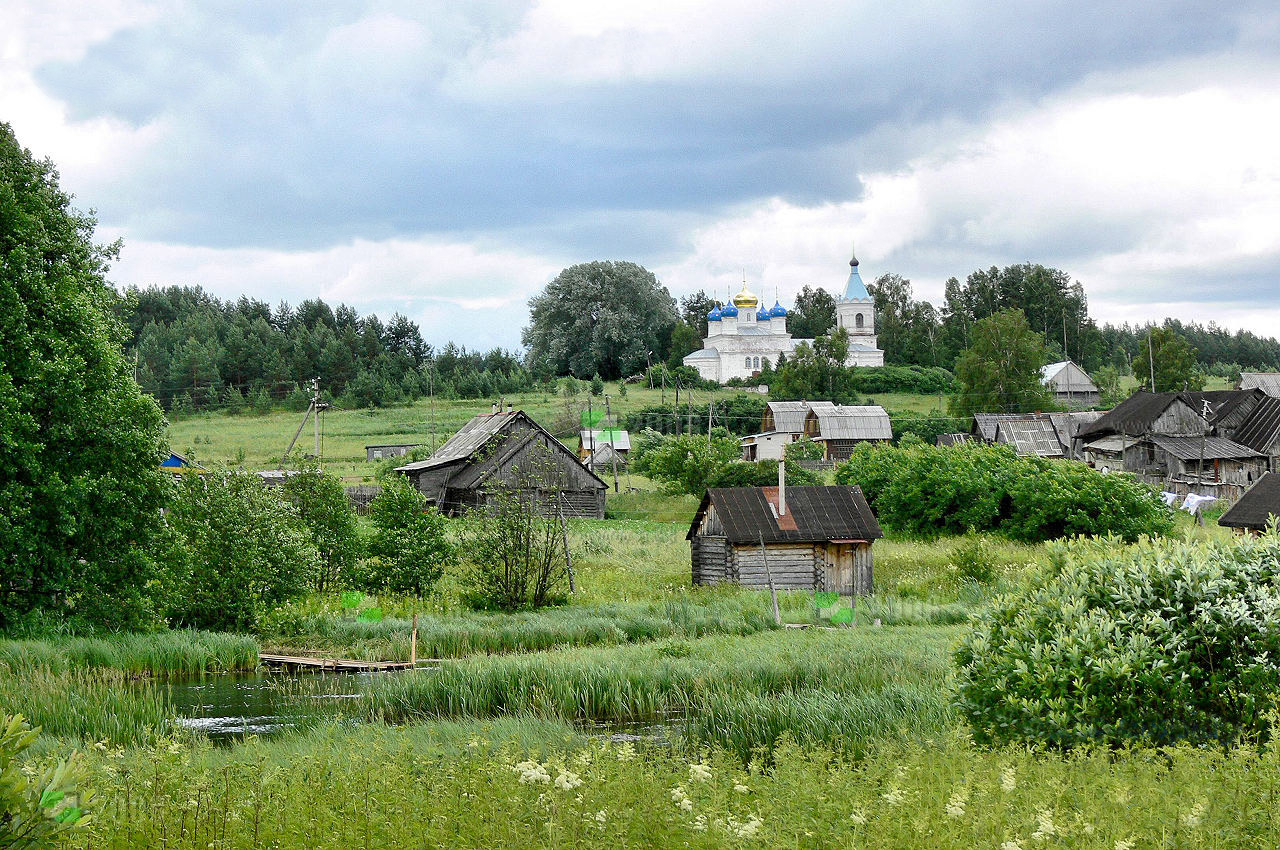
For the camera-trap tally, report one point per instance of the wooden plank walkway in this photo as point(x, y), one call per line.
point(342, 664)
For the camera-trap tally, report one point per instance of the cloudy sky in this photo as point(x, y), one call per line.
point(447, 159)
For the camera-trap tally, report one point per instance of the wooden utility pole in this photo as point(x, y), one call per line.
point(564, 536)
point(613, 442)
point(768, 574)
point(1151, 356)
point(413, 642)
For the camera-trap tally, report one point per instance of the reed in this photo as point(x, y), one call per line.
point(88, 705)
point(177, 652)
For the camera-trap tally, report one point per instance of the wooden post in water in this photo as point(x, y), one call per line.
point(413, 642)
point(768, 574)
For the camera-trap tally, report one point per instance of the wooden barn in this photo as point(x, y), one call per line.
point(812, 538)
point(1071, 386)
point(373, 453)
point(1256, 508)
point(839, 428)
point(507, 450)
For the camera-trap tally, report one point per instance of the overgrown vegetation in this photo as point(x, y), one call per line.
point(927, 491)
point(1156, 643)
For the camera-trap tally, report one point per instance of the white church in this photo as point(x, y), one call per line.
point(743, 334)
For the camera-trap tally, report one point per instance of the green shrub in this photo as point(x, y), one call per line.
point(237, 550)
point(762, 473)
point(685, 464)
point(410, 548)
point(326, 513)
point(34, 809)
point(1156, 643)
point(928, 491)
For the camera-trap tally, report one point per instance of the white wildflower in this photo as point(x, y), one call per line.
point(1192, 818)
point(859, 818)
point(699, 772)
point(567, 780)
point(1124, 844)
point(1008, 779)
point(627, 751)
point(746, 828)
point(681, 799)
point(532, 773)
point(955, 806)
point(700, 823)
point(1045, 827)
point(741, 789)
point(1014, 844)
point(893, 796)
point(602, 816)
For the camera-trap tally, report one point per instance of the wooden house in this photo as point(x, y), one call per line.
point(1071, 386)
point(1256, 508)
point(176, 464)
point(781, 424)
point(1261, 431)
point(595, 439)
point(1179, 459)
point(841, 427)
point(815, 538)
point(507, 450)
point(374, 453)
point(1268, 382)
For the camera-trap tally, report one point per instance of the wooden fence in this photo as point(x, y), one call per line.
point(361, 495)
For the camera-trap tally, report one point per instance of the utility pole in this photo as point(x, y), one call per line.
point(315, 403)
point(1151, 355)
point(591, 435)
point(431, 393)
point(711, 408)
point(613, 442)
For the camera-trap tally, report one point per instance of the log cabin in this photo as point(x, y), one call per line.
point(810, 538)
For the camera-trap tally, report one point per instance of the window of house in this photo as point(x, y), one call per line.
point(377, 454)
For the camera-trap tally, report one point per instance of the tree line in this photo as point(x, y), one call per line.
point(193, 351)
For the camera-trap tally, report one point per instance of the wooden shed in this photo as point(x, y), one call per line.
point(373, 453)
point(507, 450)
point(1257, 507)
point(1071, 386)
point(839, 428)
point(813, 538)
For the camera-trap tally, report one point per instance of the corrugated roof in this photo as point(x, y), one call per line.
point(606, 437)
point(789, 415)
point(852, 422)
point(466, 442)
point(954, 439)
point(1260, 431)
point(985, 424)
point(1068, 425)
point(1268, 382)
point(819, 514)
point(1031, 437)
point(1259, 503)
point(1210, 448)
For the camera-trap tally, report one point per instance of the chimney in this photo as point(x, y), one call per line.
point(782, 488)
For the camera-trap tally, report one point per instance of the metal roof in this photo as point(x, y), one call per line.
point(954, 439)
point(850, 422)
point(469, 439)
point(854, 288)
point(616, 437)
point(1259, 503)
point(1031, 437)
point(1210, 448)
point(703, 354)
point(1262, 428)
point(818, 514)
point(1268, 382)
point(984, 424)
point(788, 415)
point(1068, 425)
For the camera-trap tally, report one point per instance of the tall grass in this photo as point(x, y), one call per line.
point(88, 705)
point(459, 786)
point(653, 680)
point(177, 652)
point(461, 634)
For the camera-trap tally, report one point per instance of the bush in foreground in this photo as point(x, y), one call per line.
point(1155, 644)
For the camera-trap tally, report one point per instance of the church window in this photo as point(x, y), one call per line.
point(857, 320)
point(756, 363)
point(748, 362)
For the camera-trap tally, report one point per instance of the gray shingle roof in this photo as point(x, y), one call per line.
point(469, 439)
point(1268, 382)
point(853, 422)
point(1031, 437)
point(789, 415)
point(1260, 431)
point(1210, 448)
point(818, 514)
point(1256, 506)
point(985, 424)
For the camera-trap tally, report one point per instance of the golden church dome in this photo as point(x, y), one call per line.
point(744, 300)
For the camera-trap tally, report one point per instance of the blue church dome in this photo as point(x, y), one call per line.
point(729, 311)
point(714, 315)
point(763, 315)
point(777, 311)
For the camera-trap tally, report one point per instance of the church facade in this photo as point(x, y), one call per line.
point(743, 334)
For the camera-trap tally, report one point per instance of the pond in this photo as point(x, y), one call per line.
point(229, 706)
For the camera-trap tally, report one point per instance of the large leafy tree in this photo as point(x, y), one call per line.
point(601, 317)
point(1174, 362)
point(908, 330)
point(813, 314)
point(80, 445)
point(1000, 370)
point(816, 371)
